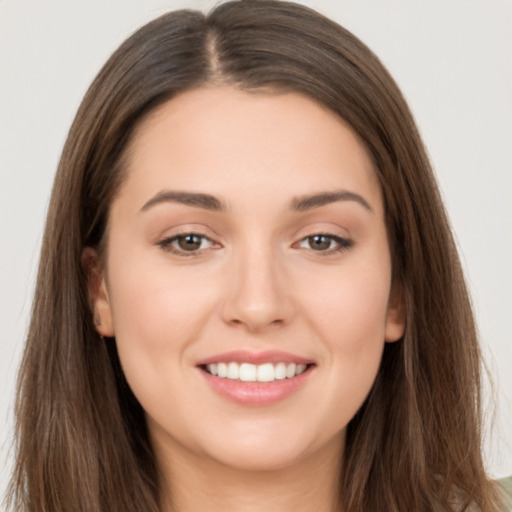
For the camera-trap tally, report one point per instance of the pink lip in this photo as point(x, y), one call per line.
point(245, 356)
point(256, 393)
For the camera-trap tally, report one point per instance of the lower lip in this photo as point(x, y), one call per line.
point(257, 393)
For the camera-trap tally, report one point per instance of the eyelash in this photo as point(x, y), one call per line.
point(167, 244)
point(342, 244)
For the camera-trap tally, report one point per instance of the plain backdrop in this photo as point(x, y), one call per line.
point(453, 61)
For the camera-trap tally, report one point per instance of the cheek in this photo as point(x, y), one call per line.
point(154, 303)
point(350, 318)
point(158, 312)
point(350, 307)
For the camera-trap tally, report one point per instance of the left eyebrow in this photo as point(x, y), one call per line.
point(304, 203)
point(195, 199)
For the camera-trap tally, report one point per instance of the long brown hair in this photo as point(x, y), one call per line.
point(82, 443)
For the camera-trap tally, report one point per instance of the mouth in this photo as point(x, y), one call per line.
point(248, 372)
point(256, 379)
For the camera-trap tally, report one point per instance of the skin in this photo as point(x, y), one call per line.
point(257, 282)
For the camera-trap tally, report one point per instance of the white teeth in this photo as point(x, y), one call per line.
point(247, 372)
point(233, 371)
point(266, 372)
point(290, 370)
point(222, 370)
point(280, 371)
point(300, 369)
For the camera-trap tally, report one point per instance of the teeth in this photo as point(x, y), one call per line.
point(290, 370)
point(222, 370)
point(247, 372)
point(233, 371)
point(266, 372)
point(281, 371)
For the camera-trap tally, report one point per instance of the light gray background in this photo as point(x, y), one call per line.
point(453, 60)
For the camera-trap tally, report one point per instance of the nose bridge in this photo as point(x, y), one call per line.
point(257, 294)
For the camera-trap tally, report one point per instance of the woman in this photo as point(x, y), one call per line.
point(248, 296)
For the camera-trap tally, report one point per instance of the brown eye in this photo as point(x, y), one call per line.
point(320, 242)
point(327, 244)
point(189, 242)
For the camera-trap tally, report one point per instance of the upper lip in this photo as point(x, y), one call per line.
point(245, 356)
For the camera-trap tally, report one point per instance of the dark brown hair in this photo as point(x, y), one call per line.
point(415, 444)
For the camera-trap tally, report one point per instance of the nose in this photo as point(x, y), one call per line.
point(258, 296)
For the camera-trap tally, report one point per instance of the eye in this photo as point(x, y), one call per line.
point(325, 243)
point(186, 244)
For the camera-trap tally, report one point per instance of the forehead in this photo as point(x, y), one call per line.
point(223, 139)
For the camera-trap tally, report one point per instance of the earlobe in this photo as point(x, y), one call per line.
point(395, 320)
point(98, 294)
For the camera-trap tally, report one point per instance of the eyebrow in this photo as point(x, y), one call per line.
point(309, 202)
point(209, 202)
point(196, 199)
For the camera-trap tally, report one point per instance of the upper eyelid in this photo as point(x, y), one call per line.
point(188, 229)
point(303, 237)
point(323, 227)
point(215, 238)
point(336, 238)
point(173, 237)
point(322, 231)
point(167, 244)
point(327, 235)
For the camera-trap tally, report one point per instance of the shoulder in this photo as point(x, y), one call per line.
point(506, 487)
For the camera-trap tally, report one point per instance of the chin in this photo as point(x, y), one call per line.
point(259, 458)
point(273, 451)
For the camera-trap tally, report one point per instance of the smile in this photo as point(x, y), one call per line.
point(256, 379)
point(247, 372)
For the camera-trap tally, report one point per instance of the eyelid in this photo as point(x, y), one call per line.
point(165, 243)
point(343, 243)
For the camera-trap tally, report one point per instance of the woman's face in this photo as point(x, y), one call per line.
point(248, 241)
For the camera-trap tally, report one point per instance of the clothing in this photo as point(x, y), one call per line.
point(506, 486)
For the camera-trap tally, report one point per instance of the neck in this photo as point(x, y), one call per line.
point(194, 483)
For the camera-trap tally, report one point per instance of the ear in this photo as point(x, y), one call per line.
point(98, 293)
point(395, 319)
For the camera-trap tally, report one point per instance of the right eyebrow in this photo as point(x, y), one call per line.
point(305, 203)
point(196, 199)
